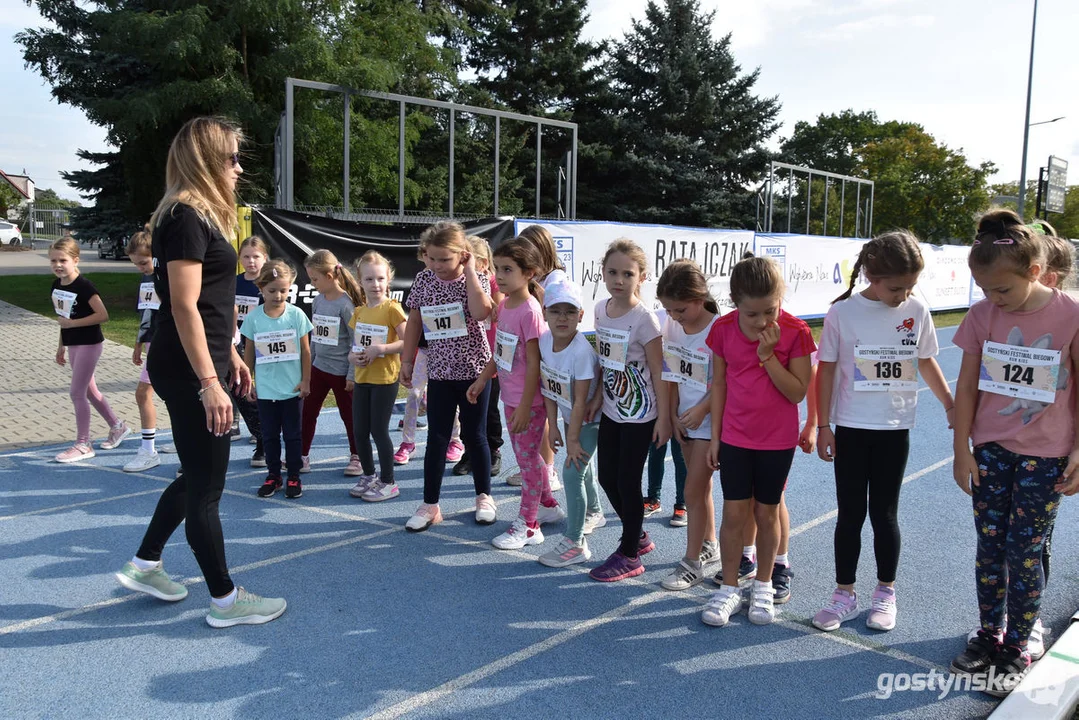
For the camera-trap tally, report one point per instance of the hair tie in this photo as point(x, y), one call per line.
point(274, 271)
point(337, 266)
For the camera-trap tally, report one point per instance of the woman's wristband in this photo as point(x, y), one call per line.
point(202, 391)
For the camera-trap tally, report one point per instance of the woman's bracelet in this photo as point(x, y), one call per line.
point(203, 390)
point(821, 427)
point(208, 380)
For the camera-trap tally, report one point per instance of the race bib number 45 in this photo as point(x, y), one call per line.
point(325, 329)
point(443, 321)
point(682, 365)
point(1019, 372)
point(882, 368)
point(276, 346)
point(63, 302)
point(612, 346)
point(368, 335)
point(556, 385)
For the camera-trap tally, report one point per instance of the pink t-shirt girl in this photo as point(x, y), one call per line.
point(515, 328)
point(757, 416)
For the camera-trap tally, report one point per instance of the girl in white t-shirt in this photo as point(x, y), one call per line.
point(687, 372)
point(872, 348)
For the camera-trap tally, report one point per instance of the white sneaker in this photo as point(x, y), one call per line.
point(167, 448)
point(515, 480)
point(762, 609)
point(380, 491)
point(555, 483)
point(1036, 642)
point(593, 521)
point(424, 517)
point(142, 461)
point(363, 485)
point(486, 510)
point(724, 603)
point(566, 552)
point(546, 515)
point(305, 464)
point(684, 577)
point(518, 535)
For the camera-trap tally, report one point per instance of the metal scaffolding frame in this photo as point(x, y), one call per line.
point(284, 141)
point(863, 217)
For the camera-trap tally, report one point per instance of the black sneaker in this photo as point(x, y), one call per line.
point(464, 466)
point(651, 507)
point(293, 488)
point(259, 458)
point(496, 463)
point(747, 570)
point(781, 582)
point(272, 485)
point(978, 656)
point(1010, 665)
point(234, 432)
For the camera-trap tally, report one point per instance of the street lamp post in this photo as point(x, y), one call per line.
point(1026, 122)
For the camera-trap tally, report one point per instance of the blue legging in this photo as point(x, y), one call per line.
point(1014, 507)
point(582, 490)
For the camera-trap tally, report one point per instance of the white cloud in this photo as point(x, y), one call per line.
point(854, 29)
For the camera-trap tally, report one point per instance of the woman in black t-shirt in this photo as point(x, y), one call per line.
point(81, 312)
point(190, 361)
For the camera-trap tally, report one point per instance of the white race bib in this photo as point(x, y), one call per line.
point(505, 347)
point(325, 330)
point(612, 346)
point(368, 335)
point(556, 385)
point(276, 346)
point(148, 299)
point(244, 305)
point(1019, 372)
point(444, 321)
point(682, 365)
point(63, 302)
point(882, 368)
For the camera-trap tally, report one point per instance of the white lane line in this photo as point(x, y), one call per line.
point(58, 508)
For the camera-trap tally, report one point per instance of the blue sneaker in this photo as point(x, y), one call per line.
point(747, 570)
point(781, 582)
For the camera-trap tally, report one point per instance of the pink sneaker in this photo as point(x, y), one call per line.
point(116, 436)
point(455, 450)
point(841, 607)
point(404, 453)
point(78, 451)
point(354, 468)
point(426, 516)
point(882, 613)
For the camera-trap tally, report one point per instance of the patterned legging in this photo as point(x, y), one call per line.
point(1014, 507)
point(535, 481)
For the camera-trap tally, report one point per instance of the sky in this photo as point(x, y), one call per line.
point(957, 67)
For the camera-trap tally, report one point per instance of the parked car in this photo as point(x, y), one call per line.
point(10, 234)
point(112, 248)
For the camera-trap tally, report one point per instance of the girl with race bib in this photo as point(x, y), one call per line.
point(1015, 401)
point(141, 256)
point(80, 314)
point(634, 404)
point(278, 353)
point(761, 371)
point(331, 312)
point(448, 304)
point(517, 362)
point(687, 370)
point(254, 252)
point(378, 324)
point(874, 346)
point(569, 380)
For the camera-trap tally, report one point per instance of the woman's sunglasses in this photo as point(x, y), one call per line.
point(234, 158)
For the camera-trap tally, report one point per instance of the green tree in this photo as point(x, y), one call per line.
point(141, 68)
point(688, 132)
point(9, 199)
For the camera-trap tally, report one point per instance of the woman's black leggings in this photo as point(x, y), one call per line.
point(194, 496)
point(869, 468)
point(621, 451)
point(372, 406)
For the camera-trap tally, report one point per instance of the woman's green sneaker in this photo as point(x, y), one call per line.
point(249, 609)
point(154, 582)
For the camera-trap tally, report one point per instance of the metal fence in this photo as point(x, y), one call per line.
point(44, 222)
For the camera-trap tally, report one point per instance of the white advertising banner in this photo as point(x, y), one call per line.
point(581, 246)
point(817, 269)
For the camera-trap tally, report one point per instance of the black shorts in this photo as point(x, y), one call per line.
point(757, 474)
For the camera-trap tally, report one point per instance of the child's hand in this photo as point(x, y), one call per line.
point(808, 439)
point(950, 414)
point(662, 432)
point(575, 454)
point(713, 455)
point(473, 392)
point(355, 358)
point(468, 260)
point(66, 323)
point(768, 339)
point(1069, 481)
point(519, 419)
point(554, 436)
point(136, 357)
point(350, 385)
point(693, 417)
point(406, 375)
point(966, 472)
point(825, 443)
point(371, 353)
point(304, 387)
point(60, 357)
point(679, 431)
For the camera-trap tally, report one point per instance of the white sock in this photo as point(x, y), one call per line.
point(225, 601)
point(144, 565)
point(782, 560)
point(749, 551)
point(148, 435)
point(767, 584)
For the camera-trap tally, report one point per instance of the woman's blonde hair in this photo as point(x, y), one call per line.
point(195, 173)
point(68, 246)
point(140, 242)
point(372, 257)
point(325, 262)
point(274, 269)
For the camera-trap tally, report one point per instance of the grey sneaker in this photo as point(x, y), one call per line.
point(683, 577)
point(154, 582)
point(249, 609)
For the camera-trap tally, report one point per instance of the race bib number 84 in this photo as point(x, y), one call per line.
point(1019, 372)
point(682, 365)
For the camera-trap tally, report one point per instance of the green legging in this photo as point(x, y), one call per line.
point(581, 483)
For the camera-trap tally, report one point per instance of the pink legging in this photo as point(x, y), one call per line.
point(84, 392)
point(535, 482)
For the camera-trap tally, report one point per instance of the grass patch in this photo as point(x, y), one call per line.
point(119, 292)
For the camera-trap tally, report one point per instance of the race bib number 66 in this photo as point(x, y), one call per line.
point(612, 346)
